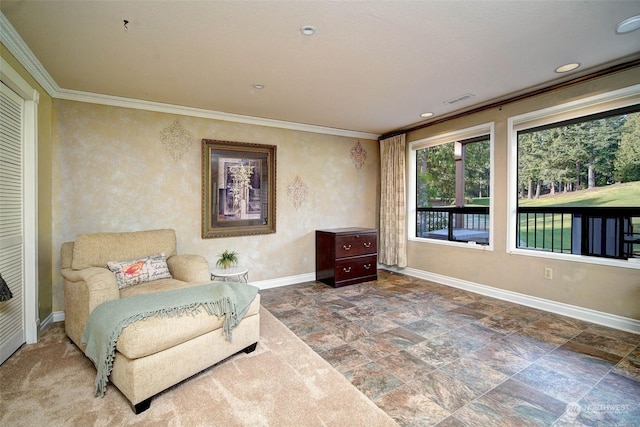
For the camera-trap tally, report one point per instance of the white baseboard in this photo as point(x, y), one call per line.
point(598, 317)
point(284, 281)
point(44, 325)
point(581, 313)
point(58, 316)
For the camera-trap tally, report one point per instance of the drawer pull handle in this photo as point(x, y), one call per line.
point(346, 269)
point(367, 266)
point(346, 247)
point(367, 244)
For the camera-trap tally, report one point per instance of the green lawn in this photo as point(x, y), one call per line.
point(615, 195)
point(479, 201)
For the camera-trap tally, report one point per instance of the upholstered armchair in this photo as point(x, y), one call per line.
point(156, 352)
point(88, 281)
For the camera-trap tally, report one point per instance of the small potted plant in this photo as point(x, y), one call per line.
point(227, 259)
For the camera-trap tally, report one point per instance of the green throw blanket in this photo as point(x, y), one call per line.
point(107, 320)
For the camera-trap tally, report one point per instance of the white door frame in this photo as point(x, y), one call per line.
point(30, 181)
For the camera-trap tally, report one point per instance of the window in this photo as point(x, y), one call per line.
point(577, 183)
point(452, 176)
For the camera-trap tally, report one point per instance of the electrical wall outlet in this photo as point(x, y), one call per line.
point(548, 273)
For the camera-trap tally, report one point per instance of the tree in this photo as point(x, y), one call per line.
point(436, 175)
point(422, 192)
point(575, 156)
point(530, 153)
point(477, 169)
point(600, 139)
point(627, 158)
point(557, 164)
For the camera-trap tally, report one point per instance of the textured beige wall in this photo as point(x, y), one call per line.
point(45, 113)
point(111, 172)
point(602, 288)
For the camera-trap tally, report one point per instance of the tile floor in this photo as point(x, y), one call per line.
point(430, 354)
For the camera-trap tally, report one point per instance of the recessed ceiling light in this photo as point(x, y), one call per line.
point(568, 67)
point(308, 30)
point(628, 25)
point(425, 115)
point(258, 85)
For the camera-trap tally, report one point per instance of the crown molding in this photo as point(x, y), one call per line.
point(18, 48)
point(139, 104)
point(628, 63)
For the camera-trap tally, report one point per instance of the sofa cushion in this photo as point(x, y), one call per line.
point(95, 250)
point(140, 270)
point(154, 286)
point(154, 334)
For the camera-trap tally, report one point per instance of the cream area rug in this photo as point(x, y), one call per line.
point(282, 383)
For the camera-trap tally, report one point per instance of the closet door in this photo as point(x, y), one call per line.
point(12, 328)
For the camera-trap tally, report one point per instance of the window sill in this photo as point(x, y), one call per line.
point(464, 245)
point(634, 263)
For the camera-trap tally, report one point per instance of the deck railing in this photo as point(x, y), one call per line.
point(592, 231)
point(465, 224)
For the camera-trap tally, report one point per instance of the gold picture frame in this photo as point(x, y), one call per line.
point(238, 188)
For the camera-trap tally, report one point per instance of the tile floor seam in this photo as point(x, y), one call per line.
point(479, 397)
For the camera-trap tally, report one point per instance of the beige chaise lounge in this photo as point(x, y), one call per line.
point(154, 354)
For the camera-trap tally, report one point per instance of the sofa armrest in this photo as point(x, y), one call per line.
point(189, 268)
point(84, 290)
point(95, 278)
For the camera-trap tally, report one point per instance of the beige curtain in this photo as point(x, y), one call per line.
point(392, 249)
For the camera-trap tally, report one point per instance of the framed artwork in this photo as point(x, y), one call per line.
point(238, 188)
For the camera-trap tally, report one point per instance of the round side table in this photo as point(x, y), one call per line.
point(232, 274)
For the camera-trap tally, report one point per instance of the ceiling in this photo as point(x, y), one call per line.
point(372, 66)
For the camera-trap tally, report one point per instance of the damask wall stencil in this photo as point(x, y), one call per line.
point(358, 155)
point(176, 140)
point(297, 191)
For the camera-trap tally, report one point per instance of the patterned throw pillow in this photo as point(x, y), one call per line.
point(129, 273)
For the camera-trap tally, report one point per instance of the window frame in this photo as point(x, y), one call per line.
point(596, 104)
point(458, 135)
